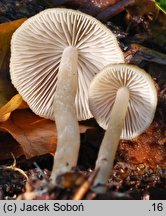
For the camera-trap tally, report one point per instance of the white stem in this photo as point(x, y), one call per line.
point(65, 114)
point(111, 139)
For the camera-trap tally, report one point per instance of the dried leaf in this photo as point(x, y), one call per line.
point(36, 135)
point(9, 145)
point(15, 103)
point(6, 31)
point(7, 90)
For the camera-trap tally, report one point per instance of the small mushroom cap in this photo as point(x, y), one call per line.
point(142, 97)
point(36, 51)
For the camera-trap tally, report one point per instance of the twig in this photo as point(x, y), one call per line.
point(83, 189)
point(114, 10)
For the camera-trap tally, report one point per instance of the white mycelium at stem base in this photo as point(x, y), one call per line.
point(111, 139)
point(65, 114)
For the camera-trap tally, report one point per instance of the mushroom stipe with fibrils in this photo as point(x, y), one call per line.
point(54, 56)
point(123, 100)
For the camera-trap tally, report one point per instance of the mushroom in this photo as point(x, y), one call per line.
point(123, 100)
point(54, 56)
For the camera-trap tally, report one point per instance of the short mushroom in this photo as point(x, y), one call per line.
point(123, 100)
point(54, 56)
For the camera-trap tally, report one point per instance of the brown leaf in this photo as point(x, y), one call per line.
point(36, 135)
point(15, 103)
point(6, 31)
point(9, 145)
point(7, 90)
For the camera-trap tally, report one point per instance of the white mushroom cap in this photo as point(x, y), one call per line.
point(142, 97)
point(36, 50)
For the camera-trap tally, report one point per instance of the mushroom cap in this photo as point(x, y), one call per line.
point(36, 50)
point(142, 97)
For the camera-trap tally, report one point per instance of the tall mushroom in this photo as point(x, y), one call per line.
point(54, 56)
point(123, 100)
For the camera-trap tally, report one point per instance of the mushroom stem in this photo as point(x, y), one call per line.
point(65, 114)
point(111, 139)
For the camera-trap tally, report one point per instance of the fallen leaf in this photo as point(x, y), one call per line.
point(9, 145)
point(37, 136)
point(5, 117)
point(6, 31)
point(7, 90)
point(16, 102)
